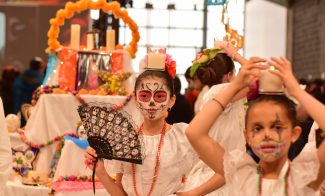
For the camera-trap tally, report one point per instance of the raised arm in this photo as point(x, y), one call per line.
point(197, 132)
point(314, 108)
point(232, 52)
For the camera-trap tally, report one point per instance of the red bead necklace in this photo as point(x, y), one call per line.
point(155, 175)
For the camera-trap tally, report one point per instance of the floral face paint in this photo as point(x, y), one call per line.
point(153, 96)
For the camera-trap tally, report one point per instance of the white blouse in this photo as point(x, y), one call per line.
point(312, 140)
point(5, 152)
point(242, 177)
point(227, 130)
point(199, 100)
point(176, 159)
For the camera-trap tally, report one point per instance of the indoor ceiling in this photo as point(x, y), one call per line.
point(281, 2)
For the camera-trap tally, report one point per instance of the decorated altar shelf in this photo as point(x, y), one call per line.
point(75, 75)
point(93, 69)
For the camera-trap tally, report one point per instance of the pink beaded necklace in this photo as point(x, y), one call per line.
point(155, 175)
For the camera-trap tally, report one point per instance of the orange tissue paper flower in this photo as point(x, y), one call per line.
point(170, 66)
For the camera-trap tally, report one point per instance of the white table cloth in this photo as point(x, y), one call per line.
point(72, 162)
point(57, 113)
point(14, 188)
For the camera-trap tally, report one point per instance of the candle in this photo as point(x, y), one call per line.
point(90, 41)
point(156, 61)
point(217, 43)
point(110, 40)
point(270, 83)
point(75, 37)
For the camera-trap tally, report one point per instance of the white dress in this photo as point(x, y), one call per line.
point(312, 140)
point(200, 99)
point(228, 131)
point(242, 177)
point(176, 159)
point(5, 152)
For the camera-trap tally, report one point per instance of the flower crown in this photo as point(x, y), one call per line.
point(161, 62)
point(203, 58)
point(170, 66)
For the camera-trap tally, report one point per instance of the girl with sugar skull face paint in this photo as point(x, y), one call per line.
point(168, 156)
point(271, 127)
point(154, 98)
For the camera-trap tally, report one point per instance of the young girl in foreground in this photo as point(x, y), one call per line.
point(168, 156)
point(270, 129)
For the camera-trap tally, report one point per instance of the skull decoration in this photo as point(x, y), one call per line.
point(102, 114)
point(118, 146)
point(126, 149)
point(135, 152)
point(110, 116)
point(102, 132)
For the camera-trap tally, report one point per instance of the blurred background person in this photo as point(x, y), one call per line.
point(181, 111)
point(8, 76)
point(27, 82)
point(316, 89)
point(190, 93)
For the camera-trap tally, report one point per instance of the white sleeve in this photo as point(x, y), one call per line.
point(312, 136)
point(114, 167)
point(5, 151)
point(305, 167)
point(237, 163)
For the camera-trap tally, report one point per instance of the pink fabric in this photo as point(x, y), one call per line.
point(71, 186)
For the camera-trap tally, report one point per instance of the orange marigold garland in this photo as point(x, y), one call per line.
point(71, 8)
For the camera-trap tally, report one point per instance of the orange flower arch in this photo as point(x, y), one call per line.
point(71, 8)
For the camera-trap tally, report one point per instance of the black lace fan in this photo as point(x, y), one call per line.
point(112, 133)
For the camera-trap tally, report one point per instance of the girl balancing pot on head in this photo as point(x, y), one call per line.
point(216, 68)
point(270, 130)
point(168, 156)
point(213, 66)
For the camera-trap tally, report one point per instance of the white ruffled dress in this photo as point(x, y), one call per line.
point(228, 131)
point(242, 177)
point(176, 160)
